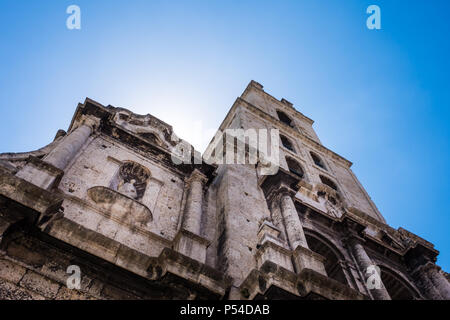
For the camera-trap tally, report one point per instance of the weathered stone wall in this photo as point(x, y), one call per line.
point(33, 269)
point(355, 194)
point(108, 197)
point(98, 164)
point(241, 207)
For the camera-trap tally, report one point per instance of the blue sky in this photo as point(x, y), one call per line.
point(380, 98)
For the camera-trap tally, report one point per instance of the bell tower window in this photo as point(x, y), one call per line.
point(285, 118)
point(295, 167)
point(317, 161)
point(328, 182)
point(287, 143)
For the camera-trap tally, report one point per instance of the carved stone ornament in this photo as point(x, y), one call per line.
point(148, 127)
point(332, 203)
point(133, 180)
point(120, 207)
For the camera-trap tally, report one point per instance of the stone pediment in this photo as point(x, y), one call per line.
point(147, 127)
point(120, 207)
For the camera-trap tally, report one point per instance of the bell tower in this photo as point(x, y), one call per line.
point(310, 230)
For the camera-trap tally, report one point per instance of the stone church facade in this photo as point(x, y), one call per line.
point(107, 198)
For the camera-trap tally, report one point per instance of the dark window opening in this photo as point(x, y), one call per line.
point(287, 143)
point(328, 182)
point(318, 162)
point(295, 167)
point(285, 118)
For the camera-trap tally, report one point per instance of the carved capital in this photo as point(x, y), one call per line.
point(351, 239)
point(276, 195)
point(196, 176)
point(93, 123)
point(426, 268)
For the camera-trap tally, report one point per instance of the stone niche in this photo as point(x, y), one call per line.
point(121, 202)
point(131, 180)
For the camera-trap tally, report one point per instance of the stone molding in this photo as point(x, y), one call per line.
point(191, 245)
point(307, 282)
point(28, 194)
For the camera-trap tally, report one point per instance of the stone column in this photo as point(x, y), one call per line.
point(61, 155)
point(189, 241)
point(364, 262)
point(439, 281)
point(424, 282)
point(193, 211)
point(303, 257)
point(294, 228)
point(47, 173)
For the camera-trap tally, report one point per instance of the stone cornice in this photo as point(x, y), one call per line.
point(28, 194)
point(273, 245)
point(45, 166)
point(355, 222)
point(303, 284)
point(153, 268)
point(184, 232)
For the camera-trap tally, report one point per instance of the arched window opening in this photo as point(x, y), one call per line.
point(328, 182)
point(332, 265)
point(285, 118)
point(395, 286)
point(295, 167)
point(317, 161)
point(287, 143)
point(132, 180)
